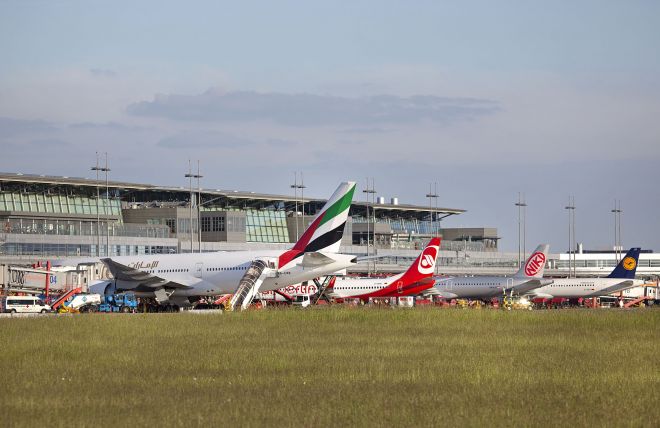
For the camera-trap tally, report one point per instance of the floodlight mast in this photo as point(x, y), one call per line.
point(571, 234)
point(190, 177)
point(295, 186)
point(522, 208)
point(370, 191)
point(105, 169)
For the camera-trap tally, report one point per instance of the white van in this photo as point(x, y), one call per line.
point(25, 304)
point(302, 300)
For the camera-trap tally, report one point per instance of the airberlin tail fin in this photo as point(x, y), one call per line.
point(424, 265)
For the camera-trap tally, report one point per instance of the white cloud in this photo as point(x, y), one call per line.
point(313, 110)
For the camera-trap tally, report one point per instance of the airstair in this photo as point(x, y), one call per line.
point(64, 297)
point(637, 302)
point(250, 284)
point(321, 287)
point(288, 298)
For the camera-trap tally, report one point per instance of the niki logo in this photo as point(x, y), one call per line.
point(629, 263)
point(534, 264)
point(427, 260)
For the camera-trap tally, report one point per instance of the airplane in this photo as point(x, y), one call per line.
point(621, 278)
point(416, 279)
point(174, 278)
point(528, 278)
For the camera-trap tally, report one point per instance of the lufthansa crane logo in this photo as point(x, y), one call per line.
point(534, 264)
point(629, 263)
point(427, 260)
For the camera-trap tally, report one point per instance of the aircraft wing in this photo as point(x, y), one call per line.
point(433, 291)
point(532, 284)
point(623, 285)
point(122, 272)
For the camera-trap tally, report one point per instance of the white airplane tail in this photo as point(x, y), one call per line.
point(535, 264)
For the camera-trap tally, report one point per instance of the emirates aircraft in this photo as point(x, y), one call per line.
point(528, 278)
point(174, 278)
point(417, 278)
point(621, 278)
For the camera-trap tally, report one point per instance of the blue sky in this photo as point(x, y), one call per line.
point(487, 98)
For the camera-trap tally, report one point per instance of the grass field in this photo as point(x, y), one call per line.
point(334, 367)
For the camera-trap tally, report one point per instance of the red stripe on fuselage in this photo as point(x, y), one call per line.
point(392, 289)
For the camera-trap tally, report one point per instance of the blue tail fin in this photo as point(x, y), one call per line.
point(627, 266)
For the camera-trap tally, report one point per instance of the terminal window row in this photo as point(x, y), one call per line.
point(65, 204)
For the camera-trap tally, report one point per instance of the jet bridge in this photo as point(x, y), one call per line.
point(249, 286)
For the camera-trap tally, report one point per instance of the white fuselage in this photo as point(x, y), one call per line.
point(585, 287)
point(347, 287)
point(207, 274)
point(475, 287)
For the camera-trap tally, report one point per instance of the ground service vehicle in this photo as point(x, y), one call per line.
point(81, 303)
point(302, 300)
point(119, 303)
point(25, 304)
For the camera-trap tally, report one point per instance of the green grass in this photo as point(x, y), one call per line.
point(334, 367)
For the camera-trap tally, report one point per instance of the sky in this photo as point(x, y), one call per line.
point(486, 99)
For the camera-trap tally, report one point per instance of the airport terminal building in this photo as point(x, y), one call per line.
point(45, 217)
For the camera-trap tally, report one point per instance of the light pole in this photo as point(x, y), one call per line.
point(107, 204)
point(190, 176)
point(295, 186)
point(199, 208)
point(302, 198)
point(522, 207)
point(571, 233)
point(432, 195)
point(98, 215)
point(370, 191)
point(617, 229)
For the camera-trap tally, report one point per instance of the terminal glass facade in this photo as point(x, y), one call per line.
point(58, 204)
point(266, 226)
point(400, 225)
point(46, 249)
point(82, 228)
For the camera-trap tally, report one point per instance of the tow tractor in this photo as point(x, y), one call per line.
point(516, 302)
point(119, 303)
point(81, 303)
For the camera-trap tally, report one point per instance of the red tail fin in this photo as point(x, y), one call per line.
point(424, 265)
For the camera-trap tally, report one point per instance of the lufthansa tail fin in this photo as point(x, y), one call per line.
point(535, 264)
point(424, 265)
point(627, 266)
